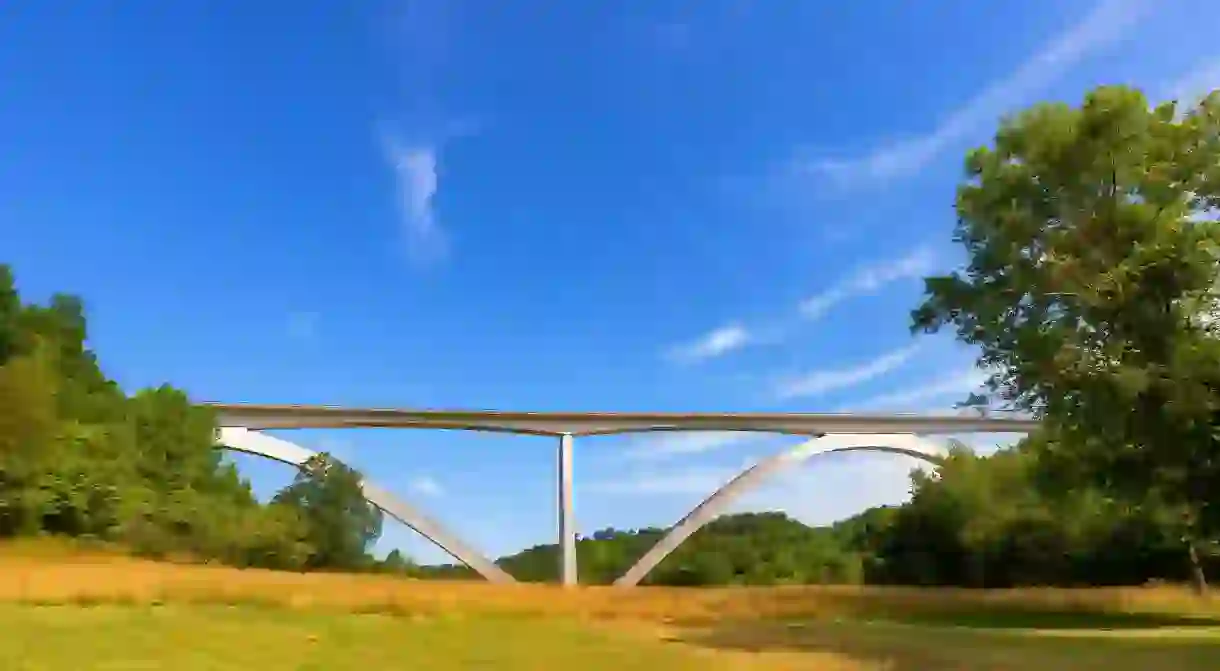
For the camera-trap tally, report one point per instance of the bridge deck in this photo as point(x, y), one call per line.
point(257, 417)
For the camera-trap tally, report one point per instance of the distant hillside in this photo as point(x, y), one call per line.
point(746, 548)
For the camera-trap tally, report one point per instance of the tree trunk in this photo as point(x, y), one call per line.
point(1197, 578)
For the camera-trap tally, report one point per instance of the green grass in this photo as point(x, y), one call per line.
point(117, 638)
point(219, 638)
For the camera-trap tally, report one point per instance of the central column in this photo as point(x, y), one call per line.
point(567, 525)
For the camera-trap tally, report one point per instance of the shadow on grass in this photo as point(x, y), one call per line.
point(968, 643)
point(1054, 620)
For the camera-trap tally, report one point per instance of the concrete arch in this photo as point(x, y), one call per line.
point(276, 449)
point(905, 444)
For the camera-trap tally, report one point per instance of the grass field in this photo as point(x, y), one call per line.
point(80, 612)
point(224, 638)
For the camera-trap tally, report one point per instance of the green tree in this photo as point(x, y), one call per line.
point(10, 314)
point(1092, 244)
point(340, 525)
point(28, 428)
point(78, 457)
point(396, 562)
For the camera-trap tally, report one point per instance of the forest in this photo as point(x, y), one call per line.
point(1089, 294)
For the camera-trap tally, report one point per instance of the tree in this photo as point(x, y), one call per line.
point(27, 431)
point(10, 313)
point(395, 562)
point(78, 457)
point(340, 525)
point(1092, 243)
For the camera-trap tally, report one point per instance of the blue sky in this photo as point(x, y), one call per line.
point(589, 205)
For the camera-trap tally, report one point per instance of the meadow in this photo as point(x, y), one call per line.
point(97, 610)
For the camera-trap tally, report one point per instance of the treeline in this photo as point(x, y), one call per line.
point(749, 548)
point(980, 521)
point(1005, 521)
point(80, 458)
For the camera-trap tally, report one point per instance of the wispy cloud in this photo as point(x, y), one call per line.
point(688, 481)
point(866, 280)
point(714, 343)
point(917, 394)
point(1106, 23)
point(823, 491)
point(700, 480)
point(425, 486)
point(417, 181)
point(856, 480)
point(681, 443)
point(938, 396)
point(821, 382)
point(869, 279)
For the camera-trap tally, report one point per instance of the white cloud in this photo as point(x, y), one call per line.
point(1105, 24)
point(820, 382)
point(919, 393)
point(868, 279)
point(818, 491)
point(425, 486)
point(698, 480)
point(672, 444)
point(712, 344)
point(687, 481)
point(830, 488)
point(934, 398)
point(417, 181)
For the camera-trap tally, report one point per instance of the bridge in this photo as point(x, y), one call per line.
point(241, 427)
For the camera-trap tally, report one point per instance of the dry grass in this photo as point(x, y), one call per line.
point(54, 577)
point(198, 617)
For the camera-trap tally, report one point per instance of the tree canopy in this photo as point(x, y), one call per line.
point(1092, 241)
point(79, 457)
point(341, 526)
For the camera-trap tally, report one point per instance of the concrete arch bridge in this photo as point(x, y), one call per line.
point(241, 429)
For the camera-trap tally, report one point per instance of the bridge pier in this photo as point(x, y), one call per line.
point(567, 525)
